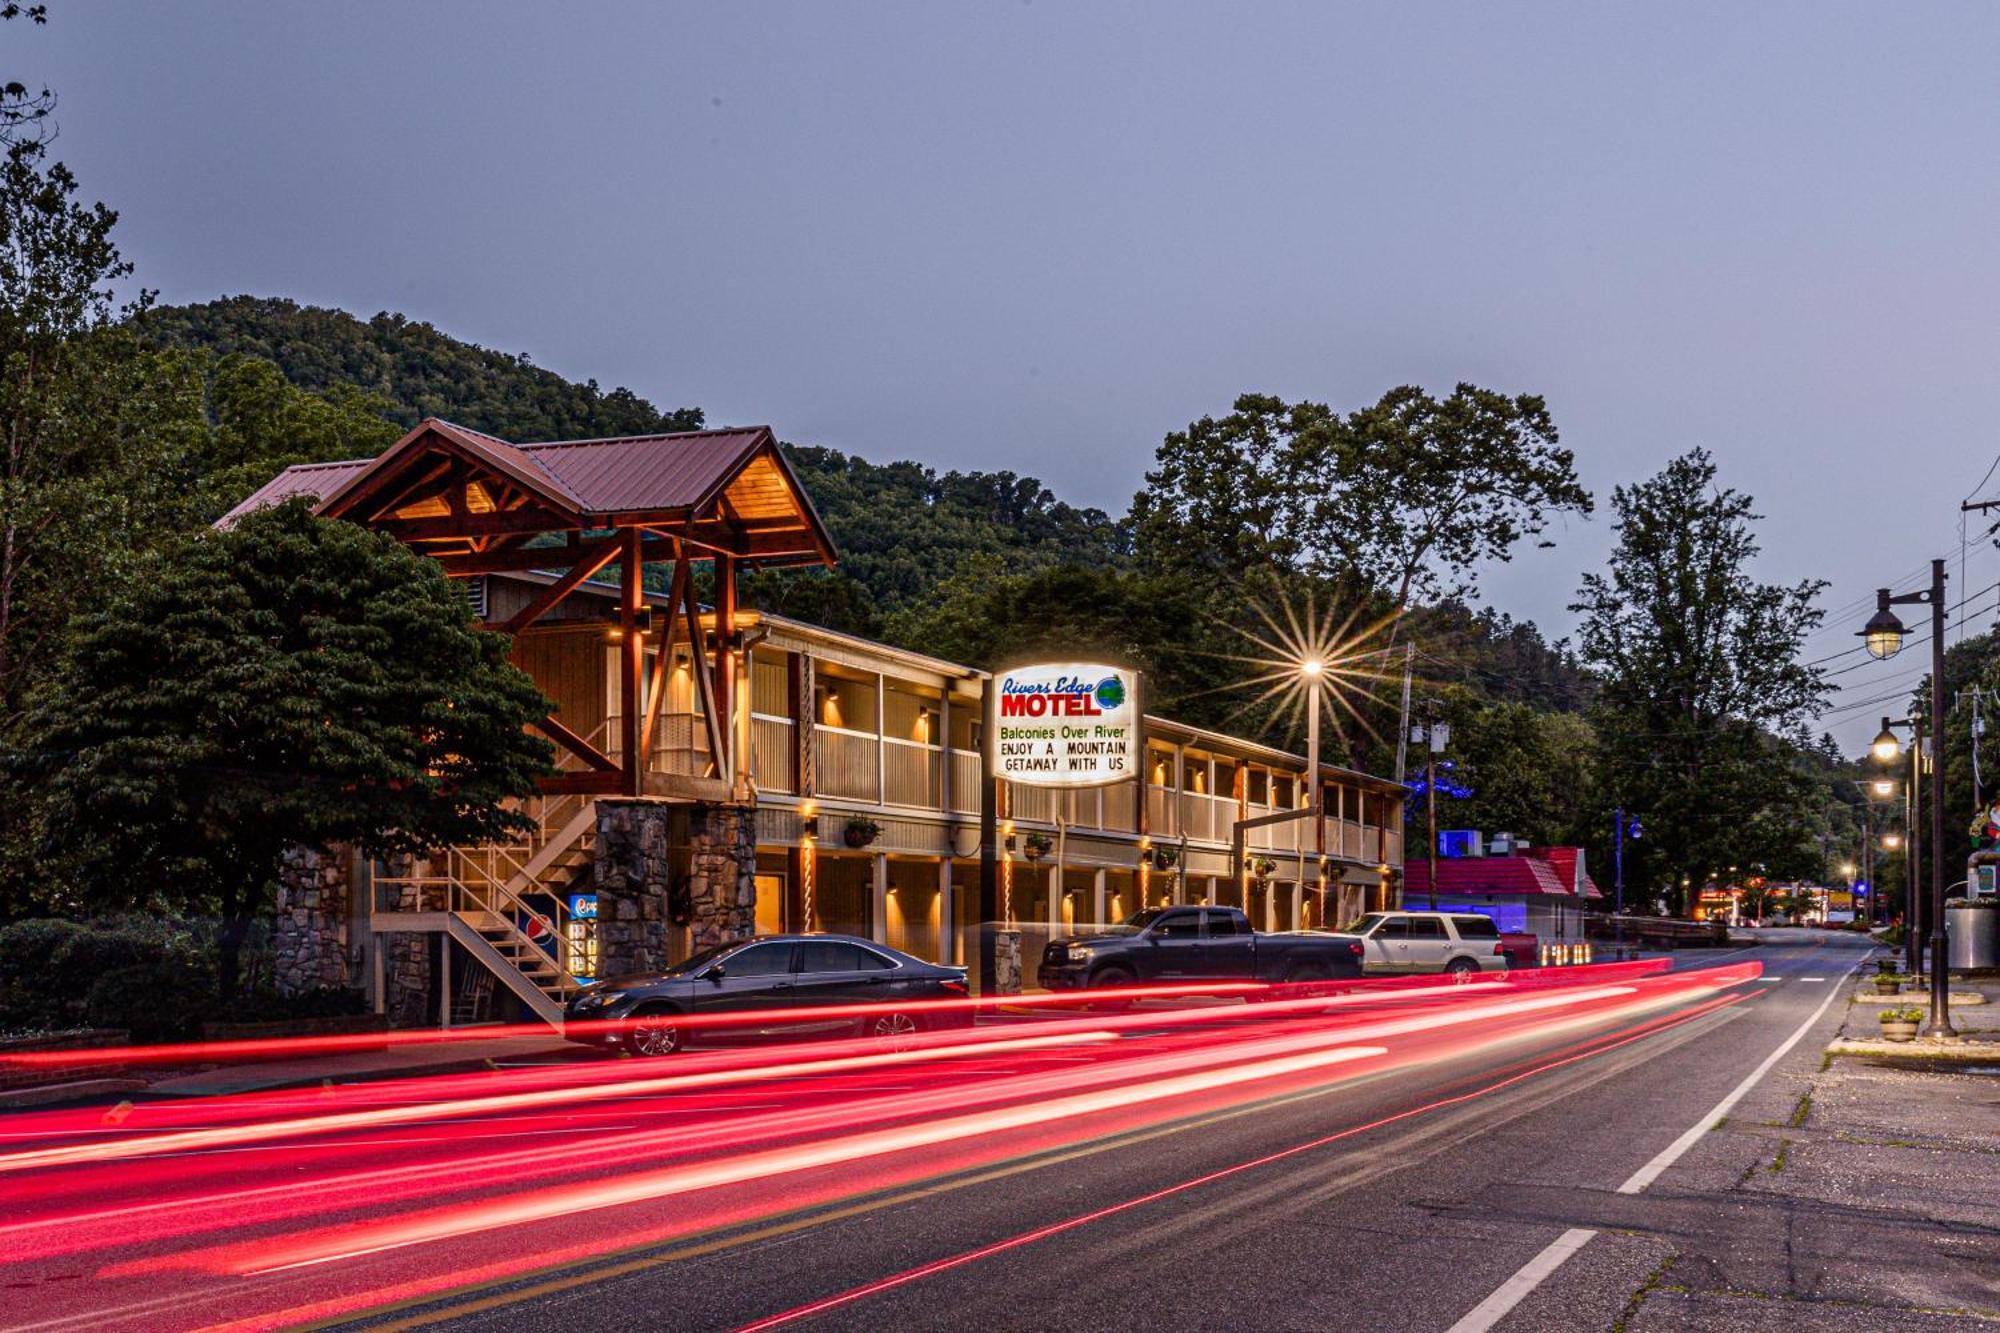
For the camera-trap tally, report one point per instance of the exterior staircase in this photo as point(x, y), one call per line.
point(507, 906)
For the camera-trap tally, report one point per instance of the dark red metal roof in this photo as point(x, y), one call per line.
point(638, 478)
point(643, 472)
point(314, 480)
point(1503, 875)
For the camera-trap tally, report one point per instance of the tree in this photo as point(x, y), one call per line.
point(1529, 772)
point(24, 112)
point(1703, 698)
point(1407, 496)
point(57, 267)
point(292, 681)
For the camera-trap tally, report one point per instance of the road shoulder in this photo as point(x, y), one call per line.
point(1844, 1193)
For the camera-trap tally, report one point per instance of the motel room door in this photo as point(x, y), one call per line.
point(770, 903)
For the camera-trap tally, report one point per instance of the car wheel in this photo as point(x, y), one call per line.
point(897, 1031)
point(1300, 972)
point(1111, 978)
point(655, 1033)
point(1461, 970)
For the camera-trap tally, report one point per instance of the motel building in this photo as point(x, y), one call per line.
point(723, 772)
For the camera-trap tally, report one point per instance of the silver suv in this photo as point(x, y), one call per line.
point(1457, 943)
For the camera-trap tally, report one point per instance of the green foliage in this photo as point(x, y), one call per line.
point(903, 528)
point(411, 367)
point(292, 681)
point(1700, 678)
point(1408, 496)
point(1530, 772)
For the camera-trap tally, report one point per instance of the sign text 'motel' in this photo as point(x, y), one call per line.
point(1067, 724)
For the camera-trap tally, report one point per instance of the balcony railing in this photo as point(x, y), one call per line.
point(911, 774)
point(847, 764)
point(966, 772)
point(772, 754)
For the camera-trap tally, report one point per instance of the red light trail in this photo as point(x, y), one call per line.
point(410, 1188)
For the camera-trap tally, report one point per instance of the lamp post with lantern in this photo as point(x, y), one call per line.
point(1883, 635)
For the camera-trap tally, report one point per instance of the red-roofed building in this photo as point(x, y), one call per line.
point(1541, 890)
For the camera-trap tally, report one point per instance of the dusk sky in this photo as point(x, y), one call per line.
point(1036, 237)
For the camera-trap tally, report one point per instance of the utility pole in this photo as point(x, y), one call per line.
point(1913, 859)
point(1623, 826)
point(1403, 732)
point(1435, 735)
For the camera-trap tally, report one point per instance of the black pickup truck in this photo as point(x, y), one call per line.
point(1180, 945)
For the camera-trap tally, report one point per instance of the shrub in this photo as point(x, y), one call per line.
point(1903, 1015)
point(162, 999)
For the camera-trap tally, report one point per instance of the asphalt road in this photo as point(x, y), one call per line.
point(1390, 1165)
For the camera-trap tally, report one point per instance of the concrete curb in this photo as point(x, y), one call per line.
point(1966, 1048)
point(81, 1090)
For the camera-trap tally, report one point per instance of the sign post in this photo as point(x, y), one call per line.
point(1060, 725)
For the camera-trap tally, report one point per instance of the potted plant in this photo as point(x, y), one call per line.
point(861, 831)
point(1900, 1024)
point(1885, 965)
point(1037, 845)
point(1888, 983)
point(1261, 870)
point(1163, 858)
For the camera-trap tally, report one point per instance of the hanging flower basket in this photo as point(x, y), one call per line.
point(861, 832)
point(1037, 845)
point(1163, 858)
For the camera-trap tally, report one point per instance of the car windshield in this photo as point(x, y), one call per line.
point(696, 962)
point(1363, 925)
point(1136, 922)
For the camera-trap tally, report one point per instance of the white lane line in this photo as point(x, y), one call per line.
point(1537, 1270)
point(1812, 978)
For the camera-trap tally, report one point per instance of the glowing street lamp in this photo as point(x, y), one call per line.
point(1885, 747)
point(1883, 788)
point(1883, 636)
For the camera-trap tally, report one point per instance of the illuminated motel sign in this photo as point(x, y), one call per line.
point(1065, 724)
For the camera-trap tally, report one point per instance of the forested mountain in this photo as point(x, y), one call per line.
point(416, 370)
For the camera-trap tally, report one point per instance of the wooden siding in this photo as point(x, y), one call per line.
point(568, 665)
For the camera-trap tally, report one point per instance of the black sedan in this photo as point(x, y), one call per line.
point(786, 977)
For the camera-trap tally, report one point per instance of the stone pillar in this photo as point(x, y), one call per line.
point(631, 875)
point(309, 938)
point(409, 959)
point(660, 864)
point(722, 874)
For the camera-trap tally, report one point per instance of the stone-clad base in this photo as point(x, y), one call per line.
point(309, 936)
point(664, 866)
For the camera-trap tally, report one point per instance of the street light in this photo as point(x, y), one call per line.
point(1891, 841)
point(1884, 632)
point(1883, 635)
point(1847, 870)
point(1885, 746)
point(1883, 788)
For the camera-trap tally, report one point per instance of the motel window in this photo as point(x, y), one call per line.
point(1282, 793)
point(1160, 768)
point(1260, 787)
point(842, 701)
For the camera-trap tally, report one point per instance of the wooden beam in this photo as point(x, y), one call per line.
point(683, 786)
point(514, 559)
point(514, 521)
point(663, 659)
point(701, 674)
point(728, 761)
point(576, 745)
point(598, 558)
point(631, 661)
point(584, 784)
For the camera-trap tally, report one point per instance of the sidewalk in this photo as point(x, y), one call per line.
point(469, 1054)
point(1874, 1204)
